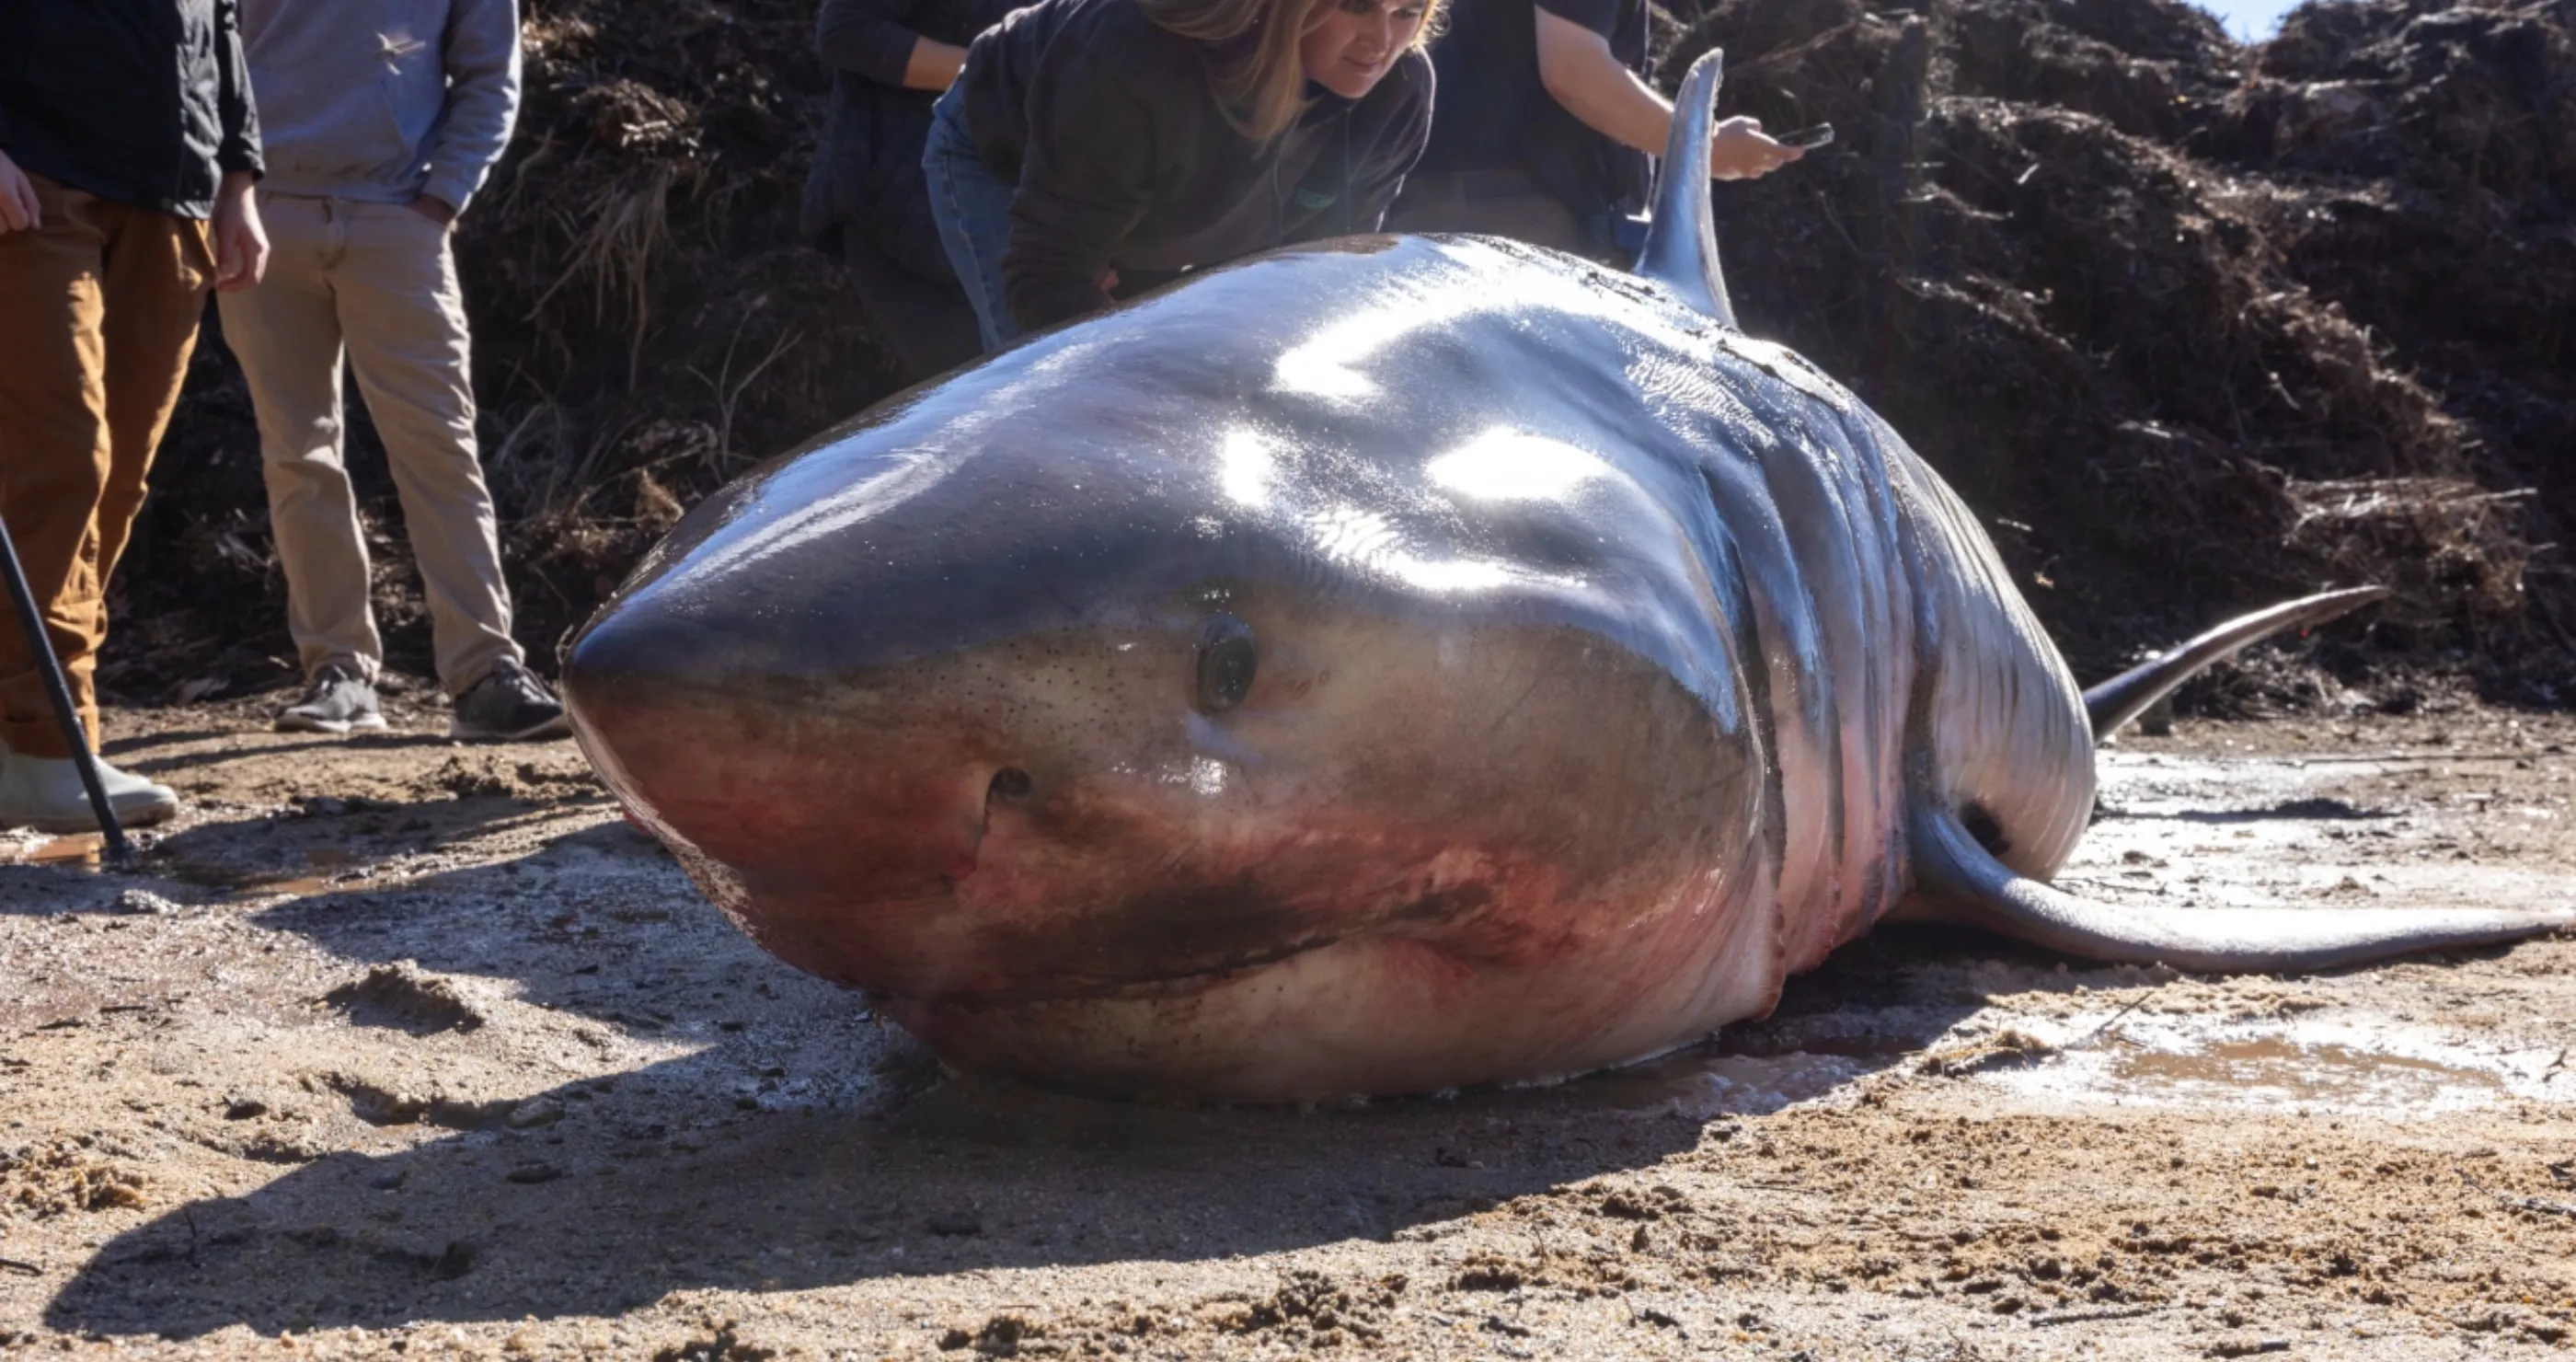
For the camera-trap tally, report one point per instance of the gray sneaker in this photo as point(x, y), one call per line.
point(509, 705)
point(337, 700)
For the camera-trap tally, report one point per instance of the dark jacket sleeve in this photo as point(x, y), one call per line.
point(239, 149)
point(870, 38)
point(1086, 178)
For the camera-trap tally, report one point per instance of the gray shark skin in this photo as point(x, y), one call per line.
point(1374, 667)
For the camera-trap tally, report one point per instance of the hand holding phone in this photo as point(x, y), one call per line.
point(1740, 150)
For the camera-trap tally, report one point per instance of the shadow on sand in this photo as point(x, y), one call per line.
point(786, 1141)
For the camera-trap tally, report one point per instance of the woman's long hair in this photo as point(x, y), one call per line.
point(1264, 90)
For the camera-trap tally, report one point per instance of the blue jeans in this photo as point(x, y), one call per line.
point(972, 206)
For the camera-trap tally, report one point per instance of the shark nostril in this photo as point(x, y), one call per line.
point(1009, 783)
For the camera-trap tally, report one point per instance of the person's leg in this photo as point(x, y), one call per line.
point(159, 270)
point(1532, 218)
point(1428, 204)
point(926, 325)
point(62, 285)
point(1469, 204)
point(404, 317)
point(53, 451)
point(285, 331)
point(972, 206)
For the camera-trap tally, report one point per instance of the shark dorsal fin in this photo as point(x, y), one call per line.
point(1681, 243)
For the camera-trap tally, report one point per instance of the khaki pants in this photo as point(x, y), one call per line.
point(98, 311)
point(377, 283)
point(1488, 203)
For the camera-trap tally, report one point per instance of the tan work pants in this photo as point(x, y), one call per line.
point(377, 283)
point(98, 310)
point(1488, 203)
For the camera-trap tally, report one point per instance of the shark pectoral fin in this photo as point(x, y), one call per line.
point(1967, 885)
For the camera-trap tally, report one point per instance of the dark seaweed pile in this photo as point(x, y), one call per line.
point(2200, 325)
point(646, 325)
point(2196, 325)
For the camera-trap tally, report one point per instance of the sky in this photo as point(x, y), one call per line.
point(2249, 20)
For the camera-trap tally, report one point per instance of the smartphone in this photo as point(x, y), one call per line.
point(1806, 139)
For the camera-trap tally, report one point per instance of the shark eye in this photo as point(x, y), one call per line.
point(1227, 659)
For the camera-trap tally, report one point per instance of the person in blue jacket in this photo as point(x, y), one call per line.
point(864, 200)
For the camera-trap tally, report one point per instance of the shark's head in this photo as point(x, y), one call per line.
point(1177, 704)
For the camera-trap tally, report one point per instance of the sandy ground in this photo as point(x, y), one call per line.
point(401, 1047)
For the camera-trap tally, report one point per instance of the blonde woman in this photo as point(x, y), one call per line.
point(1095, 148)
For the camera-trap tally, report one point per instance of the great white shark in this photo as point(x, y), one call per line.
point(1374, 667)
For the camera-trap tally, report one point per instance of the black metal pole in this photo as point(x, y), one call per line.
point(119, 851)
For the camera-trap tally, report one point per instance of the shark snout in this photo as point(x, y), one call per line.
point(843, 823)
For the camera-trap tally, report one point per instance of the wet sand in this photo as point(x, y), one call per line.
point(396, 1046)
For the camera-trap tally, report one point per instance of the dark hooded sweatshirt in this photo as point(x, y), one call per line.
point(1125, 160)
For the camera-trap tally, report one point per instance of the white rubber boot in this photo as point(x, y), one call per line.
point(45, 793)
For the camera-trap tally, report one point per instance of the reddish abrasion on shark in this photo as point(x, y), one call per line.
point(835, 829)
point(1423, 1004)
point(931, 886)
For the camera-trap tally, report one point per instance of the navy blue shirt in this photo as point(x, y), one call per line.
point(867, 169)
point(143, 102)
point(1495, 114)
